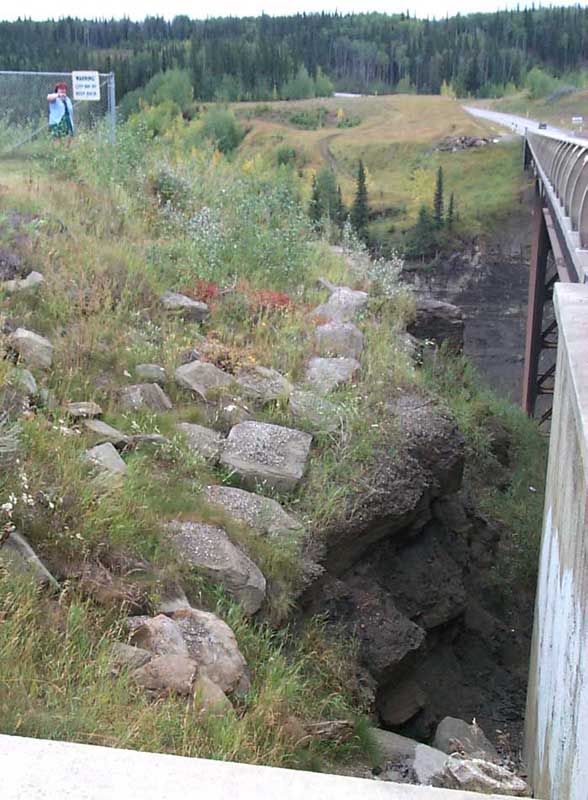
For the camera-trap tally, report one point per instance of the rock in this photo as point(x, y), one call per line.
point(270, 455)
point(456, 736)
point(189, 309)
point(106, 459)
point(344, 305)
point(32, 281)
point(438, 321)
point(262, 514)
point(209, 550)
point(480, 776)
point(203, 442)
point(151, 373)
point(32, 349)
point(160, 635)
point(417, 762)
point(147, 438)
point(204, 378)
point(212, 645)
point(23, 381)
point(229, 414)
point(168, 674)
point(325, 374)
point(339, 339)
point(111, 591)
point(210, 698)
point(400, 701)
point(101, 432)
point(125, 656)
point(17, 554)
point(263, 384)
point(144, 395)
point(191, 354)
point(322, 415)
point(172, 599)
point(84, 410)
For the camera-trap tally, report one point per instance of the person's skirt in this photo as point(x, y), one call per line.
point(62, 129)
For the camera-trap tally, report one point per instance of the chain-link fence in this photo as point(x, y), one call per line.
point(24, 109)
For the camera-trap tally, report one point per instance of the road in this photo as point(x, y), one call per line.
point(515, 123)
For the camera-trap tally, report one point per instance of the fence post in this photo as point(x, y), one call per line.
point(112, 106)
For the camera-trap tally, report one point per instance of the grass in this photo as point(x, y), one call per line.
point(557, 112)
point(111, 230)
point(396, 139)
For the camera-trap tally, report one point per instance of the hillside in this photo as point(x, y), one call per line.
point(557, 108)
point(397, 137)
point(229, 457)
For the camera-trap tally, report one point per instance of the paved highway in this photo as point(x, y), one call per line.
point(515, 123)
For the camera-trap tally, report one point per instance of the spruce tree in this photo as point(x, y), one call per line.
point(360, 207)
point(438, 199)
point(315, 207)
point(340, 210)
point(451, 211)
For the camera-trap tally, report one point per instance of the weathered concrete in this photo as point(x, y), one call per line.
point(74, 771)
point(557, 703)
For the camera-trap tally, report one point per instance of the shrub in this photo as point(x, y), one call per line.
point(221, 127)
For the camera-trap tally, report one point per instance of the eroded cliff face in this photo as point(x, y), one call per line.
point(409, 571)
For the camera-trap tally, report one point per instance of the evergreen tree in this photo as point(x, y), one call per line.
point(360, 208)
point(451, 211)
point(438, 199)
point(422, 239)
point(315, 209)
point(340, 210)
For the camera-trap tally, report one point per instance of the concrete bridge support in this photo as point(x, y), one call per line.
point(557, 704)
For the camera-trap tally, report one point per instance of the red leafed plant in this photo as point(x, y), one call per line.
point(268, 300)
point(205, 291)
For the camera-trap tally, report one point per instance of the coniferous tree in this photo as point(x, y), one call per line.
point(422, 239)
point(360, 208)
point(315, 208)
point(438, 199)
point(340, 210)
point(451, 211)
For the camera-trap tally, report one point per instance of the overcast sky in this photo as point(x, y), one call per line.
point(138, 9)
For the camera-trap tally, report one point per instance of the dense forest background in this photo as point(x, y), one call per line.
point(264, 57)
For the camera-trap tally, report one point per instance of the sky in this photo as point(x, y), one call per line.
point(138, 9)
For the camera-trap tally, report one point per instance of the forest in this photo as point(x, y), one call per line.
point(231, 59)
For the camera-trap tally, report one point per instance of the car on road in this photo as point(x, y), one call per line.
point(542, 126)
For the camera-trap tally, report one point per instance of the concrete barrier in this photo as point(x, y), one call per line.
point(557, 703)
point(37, 769)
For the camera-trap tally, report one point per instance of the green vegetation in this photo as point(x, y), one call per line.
point(359, 214)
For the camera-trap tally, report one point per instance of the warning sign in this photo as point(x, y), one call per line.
point(86, 85)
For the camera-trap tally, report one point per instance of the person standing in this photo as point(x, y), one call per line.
point(61, 125)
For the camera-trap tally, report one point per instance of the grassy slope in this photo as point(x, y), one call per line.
point(107, 250)
point(396, 140)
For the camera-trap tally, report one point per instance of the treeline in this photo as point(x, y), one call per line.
point(255, 58)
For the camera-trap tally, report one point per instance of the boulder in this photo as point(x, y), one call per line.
point(229, 414)
point(84, 410)
point(159, 635)
point(151, 373)
point(262, 384)
point(210, 698)
point(144, 395)
point(408, 760)
point(203, 442)
point(189, 309)
point(480, 776)
point(269, 455)
point(18, 556)
point(106, 459)
point(399, 701)
point(23, 381)
point(125, 656)
point(100, 432)
point(32, 349)
point(339, 339)
point(147, 438)
point(438, 321)
point(456, 736)
point(172, 598)
point(326, 374)
point(204, 378)
point(32, 281)
point(321, 415)
point(212, 645)
point(262, 514)
point(344, 305)
point(209, 550)
point(168, 674)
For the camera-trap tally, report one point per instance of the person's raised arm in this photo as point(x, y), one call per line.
point(52, 96)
